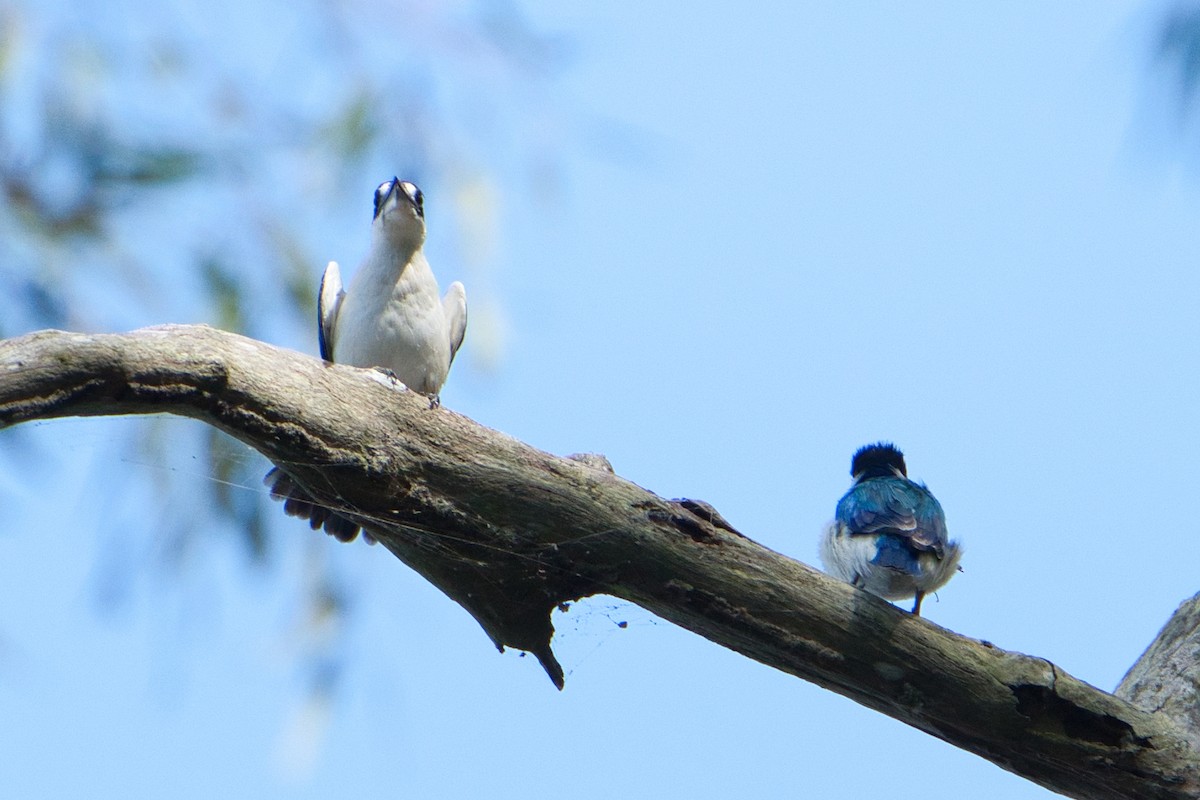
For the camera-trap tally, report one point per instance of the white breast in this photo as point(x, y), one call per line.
point(396, 322)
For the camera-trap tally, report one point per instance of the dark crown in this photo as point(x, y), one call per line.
point(881, 459)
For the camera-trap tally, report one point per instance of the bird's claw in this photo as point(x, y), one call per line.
point(388, 378)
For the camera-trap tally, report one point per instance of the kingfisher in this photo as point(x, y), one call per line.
point(889, 532)
point(390, 319)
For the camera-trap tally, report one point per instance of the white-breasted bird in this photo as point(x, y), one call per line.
point(889, 532)
point(391, 318)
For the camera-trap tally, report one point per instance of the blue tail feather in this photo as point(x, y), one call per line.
point(894, 553)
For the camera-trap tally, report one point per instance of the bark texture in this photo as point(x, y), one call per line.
point(509, 532)
point(1166, 679)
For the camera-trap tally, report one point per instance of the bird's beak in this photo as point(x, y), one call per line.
point(413, 195)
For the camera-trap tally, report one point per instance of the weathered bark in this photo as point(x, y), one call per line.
point(1166, 678)
point(510, 532)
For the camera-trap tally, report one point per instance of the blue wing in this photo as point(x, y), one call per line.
point(898, 508)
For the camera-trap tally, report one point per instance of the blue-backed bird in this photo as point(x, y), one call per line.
point(391, 318)
point(889, 533)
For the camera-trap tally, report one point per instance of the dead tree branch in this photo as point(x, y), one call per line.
point(510, 532)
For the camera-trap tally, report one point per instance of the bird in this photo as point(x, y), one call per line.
point(390, 319)
point(889, 534)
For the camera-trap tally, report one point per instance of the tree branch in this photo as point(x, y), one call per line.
point(510, 532)
point(1166, 678)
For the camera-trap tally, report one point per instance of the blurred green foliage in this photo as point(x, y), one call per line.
point(203, 164)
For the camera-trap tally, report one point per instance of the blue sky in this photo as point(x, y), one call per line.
point(780, 234)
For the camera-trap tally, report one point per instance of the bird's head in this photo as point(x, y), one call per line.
point(400, 212)
point(879, 460)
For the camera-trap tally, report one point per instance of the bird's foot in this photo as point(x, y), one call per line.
point(387, 372)
point(388, 378)
point(917, 606)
